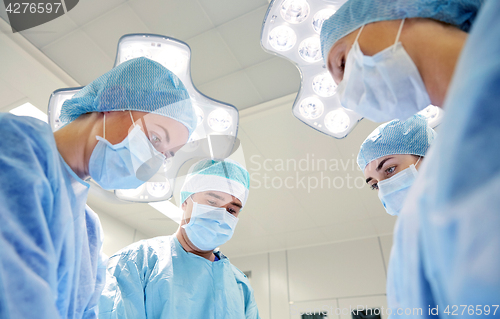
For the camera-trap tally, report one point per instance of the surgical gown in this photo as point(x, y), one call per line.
point(50, 243)
point(456, 199)
point(157, 278)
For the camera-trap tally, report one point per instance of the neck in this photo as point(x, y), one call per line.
point(190, 248)
point(76, 141)
point(435, 49)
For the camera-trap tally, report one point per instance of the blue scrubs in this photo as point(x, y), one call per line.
point(456, 199)
point(157, 278)
point(50, 242)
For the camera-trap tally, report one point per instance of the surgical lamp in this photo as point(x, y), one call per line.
point(214, 137)
point(291, 30)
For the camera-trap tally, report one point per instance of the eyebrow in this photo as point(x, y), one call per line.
point(222, 198)
point(379, 167)
point(167, 136)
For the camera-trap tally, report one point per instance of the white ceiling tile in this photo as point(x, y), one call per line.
point(111, 26)
point(9, 95)
point(88, 10)
point(242, 35)
point(235, 89)
point(302, 238)
point(247, 227)
point(222, 11)
point(49, 32)
point(211, 58)
point(349, 230)
point(178, 19)
point(329, 196)
point(79, 56)
point(274, 78)
point(297, 143)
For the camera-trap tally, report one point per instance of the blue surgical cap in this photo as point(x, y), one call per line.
point(413, 136)
point(138, 84)
point(356, 13)
point(226, 176)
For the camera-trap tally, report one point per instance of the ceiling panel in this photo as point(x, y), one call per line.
point(178, 19)
point(242, 35)
point(79, 56)
point(274, 78)
point(254, 246)
point(301, 238)
point(88, 10)
point(9, 95)
point(235, 89)
point(49, 32)
point(349, 230)
point(211, 58)
point(106, 30)
point(222, 11)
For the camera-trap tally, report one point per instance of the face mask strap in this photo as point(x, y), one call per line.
point(131, 117)
point(399, 34)
point(104, 127)
point(359, 33)
point(418, 161)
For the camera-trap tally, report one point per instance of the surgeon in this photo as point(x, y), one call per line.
point(390, 157)
point(182, 276)
point(392, 59)
point(450, 219)
point(118, 129)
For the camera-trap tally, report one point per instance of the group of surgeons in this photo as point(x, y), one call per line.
point(391, 59)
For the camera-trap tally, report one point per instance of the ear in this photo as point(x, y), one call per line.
point(183, 206)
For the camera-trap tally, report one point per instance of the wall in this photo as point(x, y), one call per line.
point(327, 278)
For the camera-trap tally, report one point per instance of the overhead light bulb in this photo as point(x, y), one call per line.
point(320, 17)
point(310, 49)
point(219, 120)
point(282, 38)
point(311, 108)
point(324, 85)
point(337, 121)
point(131, 193)
point(295, 11)
point(158, 189)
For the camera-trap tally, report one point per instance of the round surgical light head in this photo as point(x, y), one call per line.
point(282, 38)
point(320, 17)
point(131, 192)
point(324, 85)
point(295, 11)
point(310, 49)
point(133, 52)
point(158, 189)
point(219, 120)
point(337, 121)
point(199, 114)
point(311, 108)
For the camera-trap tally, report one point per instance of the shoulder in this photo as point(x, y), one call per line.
point(143, 251)
point(240, 276)
point(19, 134)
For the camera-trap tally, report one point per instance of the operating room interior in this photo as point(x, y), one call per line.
point(313, 235)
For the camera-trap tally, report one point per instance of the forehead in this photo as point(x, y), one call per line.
point(176, 128)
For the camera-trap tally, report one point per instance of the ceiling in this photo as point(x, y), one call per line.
point(227, 64)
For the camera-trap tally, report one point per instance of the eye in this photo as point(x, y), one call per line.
point(390, 170)
point(342, 64)
point(232, 211)
point(374, 186)
point(155, 139)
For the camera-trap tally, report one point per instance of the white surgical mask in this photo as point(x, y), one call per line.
point(382, 87)
point(209, 227)
point(393, 191)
